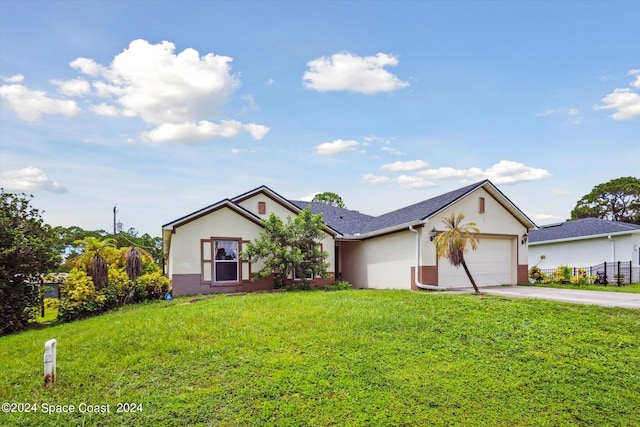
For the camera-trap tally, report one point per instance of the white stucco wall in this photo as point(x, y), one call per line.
point(386, 261)
point(185, 255)
point(380, 263)
point(586, 252)
point(496, 220)
point(251, 204)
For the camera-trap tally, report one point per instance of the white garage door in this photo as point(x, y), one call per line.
point(490, 264)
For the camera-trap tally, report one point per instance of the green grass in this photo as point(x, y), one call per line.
point(50, 315)
point(361, 358)
point(633, 288)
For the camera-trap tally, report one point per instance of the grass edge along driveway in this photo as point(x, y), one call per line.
point(335, 358)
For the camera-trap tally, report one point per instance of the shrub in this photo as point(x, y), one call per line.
point(155, 285)
point(80, 298)
point(339, 285)
point(562, 274)
point(537, 275)
point(121, 286)
point(298, 286)
point(51, 303)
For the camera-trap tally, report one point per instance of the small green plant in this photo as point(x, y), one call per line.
point(536, 275)
point(155, 285)
point(339, 285)
point(51, 303)
point(618, 277)
point(581, 278)
point(562, 274)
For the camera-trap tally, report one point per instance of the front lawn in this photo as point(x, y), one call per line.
point(633, 288)
point(361, 358)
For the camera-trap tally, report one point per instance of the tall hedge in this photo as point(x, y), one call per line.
point(27, 252)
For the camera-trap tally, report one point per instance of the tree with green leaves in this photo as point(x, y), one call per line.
point(615, 200)
point(453, 242)
point(288, 247)
point(27, 252)
point(329, 198)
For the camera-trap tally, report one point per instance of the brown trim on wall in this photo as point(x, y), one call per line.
point(427, 274)
point(523, 273)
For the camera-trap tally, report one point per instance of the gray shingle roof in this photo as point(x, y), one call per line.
point(418, 211)
point(352, 223)
point(344, 221)
point(579, 228)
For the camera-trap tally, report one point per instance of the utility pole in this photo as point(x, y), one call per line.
point(115, 211)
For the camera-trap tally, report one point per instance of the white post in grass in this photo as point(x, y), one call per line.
point(50, 362)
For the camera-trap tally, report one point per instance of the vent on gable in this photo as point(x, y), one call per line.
point(262, 208)
point(481, 204)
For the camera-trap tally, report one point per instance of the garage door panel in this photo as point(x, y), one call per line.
point(490, 264)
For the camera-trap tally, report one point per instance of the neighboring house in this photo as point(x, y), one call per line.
point(202, 248)
point(584, 243)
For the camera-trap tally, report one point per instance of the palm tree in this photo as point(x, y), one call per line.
point(133, 261)
point(452, 243)
point(93, 258)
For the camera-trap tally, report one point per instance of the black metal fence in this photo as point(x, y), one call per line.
point(607, 273)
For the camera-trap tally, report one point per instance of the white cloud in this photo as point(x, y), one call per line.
point(413, 182)
point(345, 71)
point(29, 180)
point(75, 87)
point(308, 197)
point(574, 114)
point(13, 79)
point(177, 93)
point(508, 172)
point(258, 132)
point(393, 151)
point(625, 101)
point(106, 110)
point(503, 172)
point(635, 73)
point(409, 182)
point(411, 165)
point(375, 179)
point(543, 218)
point(30, 105)
point(241, 151)
point(163, 87)
point(335, 147)
point(251, 104)
point(443, 173)
point(87, 66)
point(193, 132)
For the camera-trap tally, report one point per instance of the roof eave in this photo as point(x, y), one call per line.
point(587, 237)
point(383, 231)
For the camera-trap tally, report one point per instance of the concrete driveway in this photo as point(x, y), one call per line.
point(607, 299)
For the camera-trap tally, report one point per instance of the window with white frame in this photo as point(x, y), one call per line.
point(296, 276)
point(225, 263)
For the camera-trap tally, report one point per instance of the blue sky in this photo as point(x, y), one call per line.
point(165, 107)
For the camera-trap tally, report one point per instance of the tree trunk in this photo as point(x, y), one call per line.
point(466, 270)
